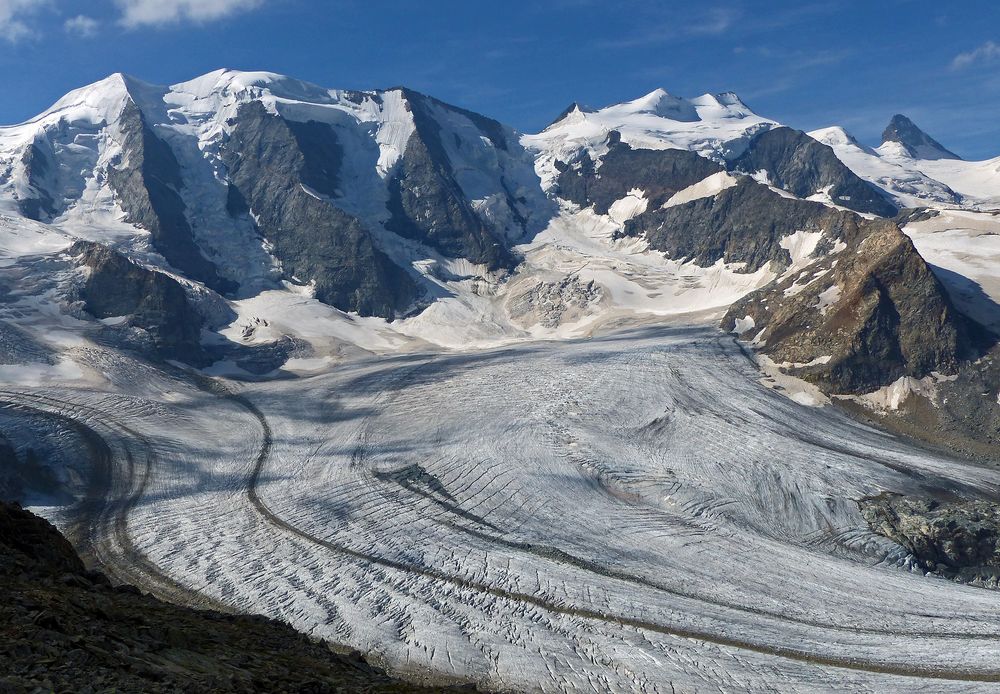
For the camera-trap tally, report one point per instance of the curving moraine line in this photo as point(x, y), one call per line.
point(117, 484)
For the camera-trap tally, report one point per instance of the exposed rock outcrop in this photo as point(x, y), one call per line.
point(913, 140)
point(154, 308)
point(956, 539)
point(743, 224)
point(36, 201)
point(856, 320)
point(426, 202)
point(146, 181)
point(799, 164)
point(659, 173)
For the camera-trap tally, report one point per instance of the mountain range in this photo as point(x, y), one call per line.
point(251, 224)
point(666, 393)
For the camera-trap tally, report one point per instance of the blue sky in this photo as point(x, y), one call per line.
point(807, 64)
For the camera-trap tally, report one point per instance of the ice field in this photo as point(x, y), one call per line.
point(631, 512)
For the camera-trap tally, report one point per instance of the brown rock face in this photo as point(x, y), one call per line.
point(859, 319)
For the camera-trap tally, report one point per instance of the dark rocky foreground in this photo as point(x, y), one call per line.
point(954, 539)
point(66, 629)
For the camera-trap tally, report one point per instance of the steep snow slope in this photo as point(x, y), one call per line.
point(978, 181)
point(963, 248)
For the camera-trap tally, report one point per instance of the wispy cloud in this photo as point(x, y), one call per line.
point(81, 25)
point(669, 25)
point(986, 53)
point(12, 17)
point(792, 69)
point(715, 22)
point(135, 13)
point(718, 21)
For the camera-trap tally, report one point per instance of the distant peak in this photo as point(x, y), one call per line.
point(662, 103)
point(914, 141)
point(235, 81)
point(572, 113)
point(723, 99)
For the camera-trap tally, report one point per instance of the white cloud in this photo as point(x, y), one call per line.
point(143, 12)
point(12, 13)
point(81, 25)
point(989, 51)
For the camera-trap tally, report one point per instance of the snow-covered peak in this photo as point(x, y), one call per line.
point(574, 113)
point(714, 125)
point(94, 105)
point(225, 83)
point(914, 181)
point(724, 105)
point(661, 103)
point(836, 136)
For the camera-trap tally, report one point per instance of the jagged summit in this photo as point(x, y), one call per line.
point(914, 141)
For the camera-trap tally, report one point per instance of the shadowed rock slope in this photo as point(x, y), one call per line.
point(659, 173)
point(146, 181)
point(799, 164)
point(66, 629)
point(913, 140)
point(283, 174)
point(152, 309)
point(426, 202)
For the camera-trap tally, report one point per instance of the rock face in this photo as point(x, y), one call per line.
point(956, 539)
point(913, 140)
point(63, 628)
point(958, 413)
point(856, 319)
point(149, 302)
point(659, 173)
point(799, 164)
point(743, 224)
point(36, 201)
point(146, 180)
point(427, 203)
point(283, 174)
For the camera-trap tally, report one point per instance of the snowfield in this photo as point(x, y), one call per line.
point(632, 512)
